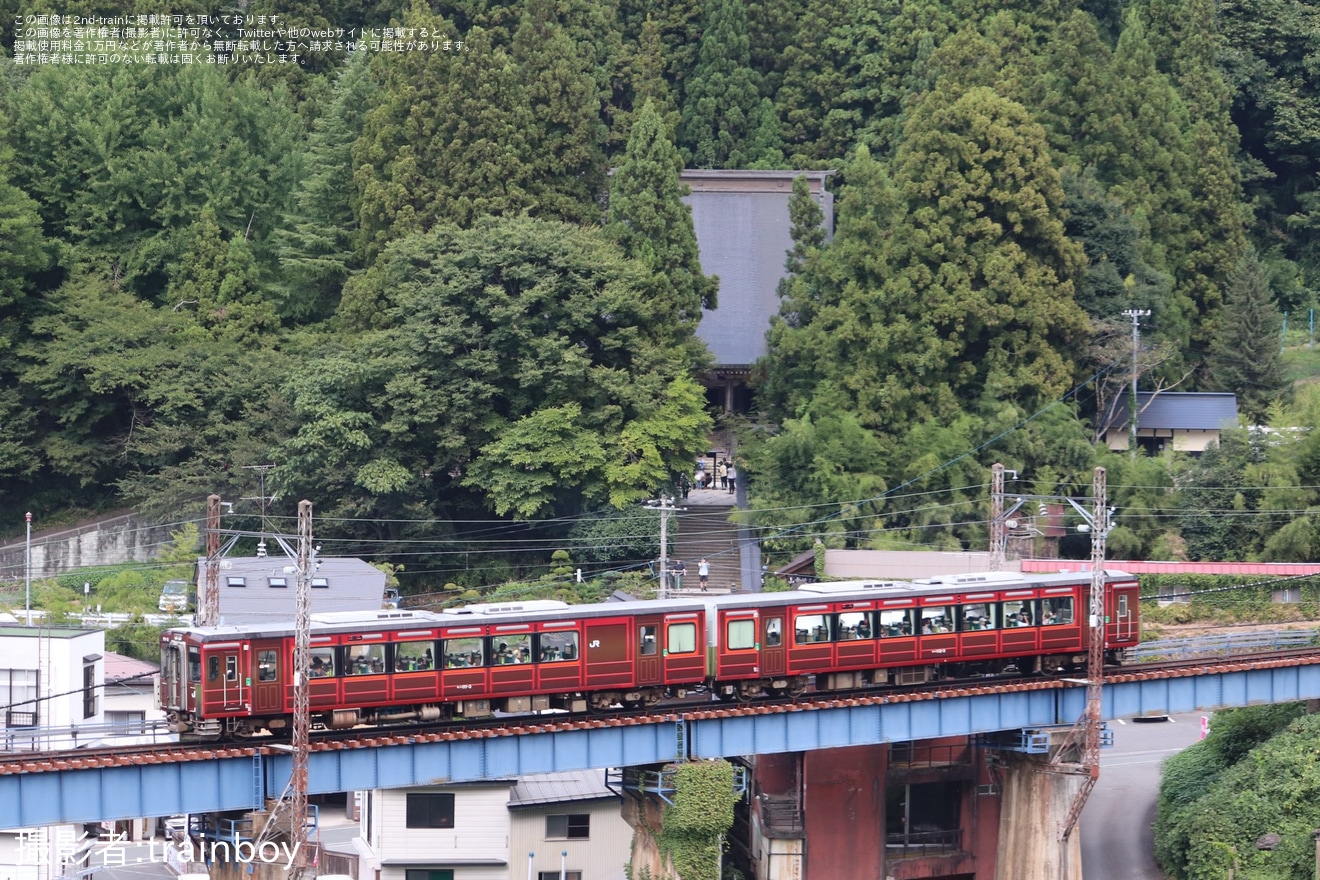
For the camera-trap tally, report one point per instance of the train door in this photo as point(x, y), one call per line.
point(222, 682)
point(684, 648)
point(648, 651)
point(267, 677)
point(1122, 613)
point(773, 653)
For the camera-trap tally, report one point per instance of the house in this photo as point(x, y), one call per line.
point(51, 681)
point(535, 826)
point(259, 589)
point(1179, 420)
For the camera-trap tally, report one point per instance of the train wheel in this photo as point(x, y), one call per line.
point(797, 686)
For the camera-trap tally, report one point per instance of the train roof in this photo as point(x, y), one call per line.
point(540, 609)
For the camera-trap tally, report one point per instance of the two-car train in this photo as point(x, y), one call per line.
point(404, 666)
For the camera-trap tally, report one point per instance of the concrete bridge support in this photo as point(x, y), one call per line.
point(1035, 802)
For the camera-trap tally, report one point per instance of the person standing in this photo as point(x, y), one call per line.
point(703, 573)
point(676, 573)
point(724, 475)
point(733, 478)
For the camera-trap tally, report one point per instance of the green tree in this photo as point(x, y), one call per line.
point(566, 52)
point(523, 363)
point(648, 217)
point(722, 111)
point(447, 142)
point(316, 244)
point(1244, 355)
point(981, 301)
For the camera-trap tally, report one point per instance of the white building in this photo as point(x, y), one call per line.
point(51, 679)
point(496, 830)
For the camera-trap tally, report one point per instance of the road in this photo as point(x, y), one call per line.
point(1116, 836)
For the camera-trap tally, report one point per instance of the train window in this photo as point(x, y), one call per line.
point(507, 650)
point(194, 664)
point(268, 668)
point(895, 623)
point(936, 619)
point(774, 632)
point(979, 616)
point(231, 668)
point(811, 629)
point(741, 635)
point(212, 668)
point(1019, 613)
point(560, 646)
point(413, 656)
point(854, 625)
point(323, 663)
point(1123, 605)
point(1056, 611)
point(682, 638)
point(461, 653)
point(646, 640)
point(364, 660)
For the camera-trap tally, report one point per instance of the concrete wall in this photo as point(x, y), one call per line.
point(1034, 805)
point(905, 564)
point(118, 539)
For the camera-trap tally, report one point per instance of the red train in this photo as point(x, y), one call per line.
point(400, 666)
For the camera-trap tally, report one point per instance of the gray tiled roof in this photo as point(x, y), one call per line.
point(742, 226)
point(1177, 410)
point(553, 788)
point(350, 585)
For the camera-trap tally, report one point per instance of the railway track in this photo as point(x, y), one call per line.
point(42, 762)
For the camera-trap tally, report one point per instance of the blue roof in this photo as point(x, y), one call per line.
point(1177, 410)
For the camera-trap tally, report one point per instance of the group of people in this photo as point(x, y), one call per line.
point(722, 474)
point(678, 571)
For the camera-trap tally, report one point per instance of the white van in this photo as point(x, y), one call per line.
point(177, 597)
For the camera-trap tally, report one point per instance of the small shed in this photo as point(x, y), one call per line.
point(1182, 420)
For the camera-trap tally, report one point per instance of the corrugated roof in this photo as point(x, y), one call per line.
point(118, 667)
point(1173, 410)
point(553, 788)
point(340, 583)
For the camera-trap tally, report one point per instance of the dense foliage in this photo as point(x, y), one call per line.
point(408, 281)
point(1255, 775)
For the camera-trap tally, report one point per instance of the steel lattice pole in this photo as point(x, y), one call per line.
point(998, 535)
point(302, 725)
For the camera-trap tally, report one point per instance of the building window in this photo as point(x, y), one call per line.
point(235, 581)
point(430, 874)
point(281, 582)
point(129, 720)
point(89, 690)
point(555, 875)
point(568, 826)
point(430, 811)
point(18, 690)
point(320, 583)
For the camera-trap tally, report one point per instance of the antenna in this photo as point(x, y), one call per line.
point(262, 498)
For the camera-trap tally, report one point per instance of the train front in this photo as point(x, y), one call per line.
point(178, 689)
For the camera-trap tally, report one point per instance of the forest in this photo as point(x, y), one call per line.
point(451, 295)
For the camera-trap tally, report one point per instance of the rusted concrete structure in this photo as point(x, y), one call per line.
point(946, 808)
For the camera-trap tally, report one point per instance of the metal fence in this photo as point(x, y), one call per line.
point(41, 739)
point(1220, 645)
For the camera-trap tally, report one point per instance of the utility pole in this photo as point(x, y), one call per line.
point(293, 804)
point(998, 534)
point(302, 662)
point(27, 574)
point(666, 507)
point(209, 613)
point(1136, 315)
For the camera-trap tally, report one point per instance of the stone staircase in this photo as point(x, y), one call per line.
point(703, 529)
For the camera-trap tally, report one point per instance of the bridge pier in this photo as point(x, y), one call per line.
point(946, 807)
